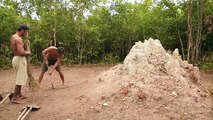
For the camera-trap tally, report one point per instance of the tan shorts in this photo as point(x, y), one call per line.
point(20, 68)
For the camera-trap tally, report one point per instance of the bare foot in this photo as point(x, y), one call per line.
point(23, 97)
point(16, 101)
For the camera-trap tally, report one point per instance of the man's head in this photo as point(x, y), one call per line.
point(23, 29)
point(60, 50)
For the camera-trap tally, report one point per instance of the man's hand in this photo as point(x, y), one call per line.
point(28, 52)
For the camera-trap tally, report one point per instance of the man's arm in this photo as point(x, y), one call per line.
point(56, 64)
point(20, 48)
point(44, 54)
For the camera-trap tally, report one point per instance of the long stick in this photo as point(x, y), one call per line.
point(27, 113)
point(5, 98)
point(23, 112)
point(50, 78)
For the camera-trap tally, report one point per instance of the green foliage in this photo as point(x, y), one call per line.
point(6, 59)
point(92, 32)
point(207, 62)
point(109, 59)
point(68, 61)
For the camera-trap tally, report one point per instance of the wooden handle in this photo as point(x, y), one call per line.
point(23, 112)
point(50, 78)
point(27, 113)
point(5, 98)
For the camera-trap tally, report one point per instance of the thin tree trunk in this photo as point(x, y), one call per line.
point(82, 45)
point(79, 46)
point(199, 30)
point(54, 27)
point(54, 35)
point(181, 43)
point(190, 44)
point(50, 39)
point(129, 44)
point(144, 36)
point(81, 49)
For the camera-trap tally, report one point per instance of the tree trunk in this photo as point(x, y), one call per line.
point(200, 4)
point(78, 45)
point(50, 38)
point(54, 36)
point(81, 45)
point(190, 43)
point(81, 48)
point(144, 36)
point(181, 43)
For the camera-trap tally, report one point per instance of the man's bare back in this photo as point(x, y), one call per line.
point(52, 54)
point(52, 57)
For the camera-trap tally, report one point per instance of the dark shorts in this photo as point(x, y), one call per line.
point(50, 62)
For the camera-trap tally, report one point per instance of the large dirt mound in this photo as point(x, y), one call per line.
point(154, 84)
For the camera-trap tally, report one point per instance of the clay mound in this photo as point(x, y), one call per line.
point(154, 84)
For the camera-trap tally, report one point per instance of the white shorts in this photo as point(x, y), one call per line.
point(20, 68)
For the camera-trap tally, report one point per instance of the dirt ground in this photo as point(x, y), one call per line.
point(76, 100)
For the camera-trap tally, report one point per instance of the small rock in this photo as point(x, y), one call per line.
point(105, 104)
point(92, 107)
point(174, 93)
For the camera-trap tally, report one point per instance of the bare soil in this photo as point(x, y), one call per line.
point(76, 100)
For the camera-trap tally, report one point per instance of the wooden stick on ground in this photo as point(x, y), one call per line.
point(7, 96)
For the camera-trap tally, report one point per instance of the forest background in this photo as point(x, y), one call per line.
point(103, 31)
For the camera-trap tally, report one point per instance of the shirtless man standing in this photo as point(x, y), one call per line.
point(19, 61)
point(52, 56)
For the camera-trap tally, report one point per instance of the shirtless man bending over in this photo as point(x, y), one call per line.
point(52, 56)
point(19, 62)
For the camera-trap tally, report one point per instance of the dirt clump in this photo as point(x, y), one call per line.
point(153, 83)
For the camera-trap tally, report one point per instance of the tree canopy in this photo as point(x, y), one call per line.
point(103, 31)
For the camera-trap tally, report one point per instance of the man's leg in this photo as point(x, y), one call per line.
point(16, 94)
point(44, 68)
point(41, 77)
point(21, 96)
point(58, 68)
point(61, 76)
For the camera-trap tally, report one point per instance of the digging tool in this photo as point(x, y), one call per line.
point(22, 113)
point(50, 78)
point(27, 110)
point(9, 95)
